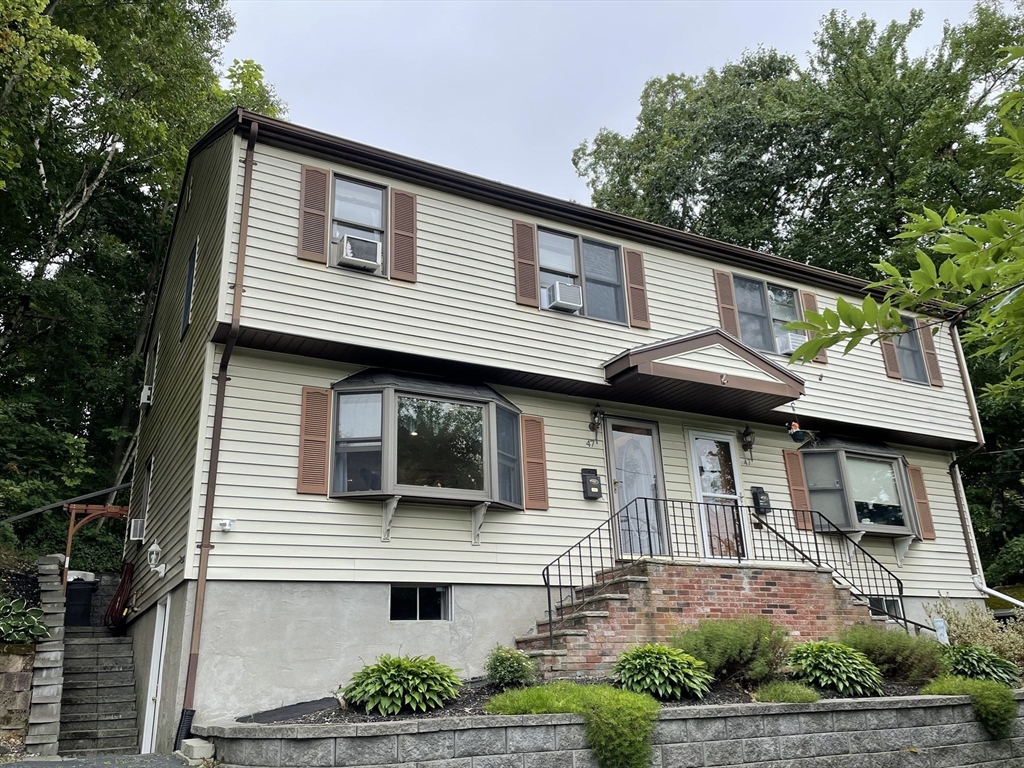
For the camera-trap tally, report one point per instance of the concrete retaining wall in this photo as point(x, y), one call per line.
point(48, 670)
point(916, 732)
point(15, 687)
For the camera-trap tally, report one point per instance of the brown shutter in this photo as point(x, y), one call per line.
point(314, 216)
point(798, 494)
point(931, 359)
point(810, 303)
point(924, 509)
point(403, 235)
point(314, 435)
point(524, 245)
point(889, 358)
point(727, 303)
point(638, 314)
point(535, 462)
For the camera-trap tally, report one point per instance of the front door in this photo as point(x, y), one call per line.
point(718, 491)
point(637, 487)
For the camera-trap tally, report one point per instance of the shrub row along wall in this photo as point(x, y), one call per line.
point(917, 732)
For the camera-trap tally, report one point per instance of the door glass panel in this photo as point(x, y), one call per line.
point(636, 490)
point(721, 518)
point(714, 464)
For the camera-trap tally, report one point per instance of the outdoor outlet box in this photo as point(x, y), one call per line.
point(762, 504)
point(591, 484)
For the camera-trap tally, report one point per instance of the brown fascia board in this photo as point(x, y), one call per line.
point(308, 141)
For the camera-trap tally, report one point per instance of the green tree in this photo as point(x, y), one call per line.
point(101, 100)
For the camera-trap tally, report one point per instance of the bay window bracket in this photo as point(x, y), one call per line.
point(900, 546)
point(477, 517)
point(387, 514)
point(852, 538)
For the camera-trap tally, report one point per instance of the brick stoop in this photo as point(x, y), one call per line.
point(650, 600)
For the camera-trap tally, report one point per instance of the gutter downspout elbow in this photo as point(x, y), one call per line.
point(993, 593)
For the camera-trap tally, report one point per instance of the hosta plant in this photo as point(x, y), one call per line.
point(20, 624)
point(394, 683)
point(665, 673)
point(979, 663)
point(836, 667)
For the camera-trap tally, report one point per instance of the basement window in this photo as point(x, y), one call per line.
point(420, 603)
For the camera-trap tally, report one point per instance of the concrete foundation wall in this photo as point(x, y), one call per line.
point(269, 644)
point(903, 732)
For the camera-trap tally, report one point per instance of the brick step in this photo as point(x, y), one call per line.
point(546, 637)
point(99, 696)
point(591, 589)
point(103, 732)
point(589, 602)
point(98, 665)
point(88, 718)
point(85, 685)
point(116, 705)
point(542, 652)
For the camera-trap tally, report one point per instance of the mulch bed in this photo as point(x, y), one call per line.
point(17, 583)
point(475, 694)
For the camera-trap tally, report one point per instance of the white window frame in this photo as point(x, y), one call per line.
point(188, 295)
point(910, 525)
point(389, 449)
point(902, 338)
point(382, 270)
point(764, 286)
point(579, 277)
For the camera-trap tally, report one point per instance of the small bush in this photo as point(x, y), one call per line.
point(749, 651)
point(20, 624)
point(836, 667)
point(395, 683)
point(665, 673)
point(993, 702)
point(975, 624)
point(897, 655)
point(792, 693)
point(510, 668)
point(978, 663)
point(618, 723)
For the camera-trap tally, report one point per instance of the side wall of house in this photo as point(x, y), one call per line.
point(282, 535)
point(170, 425)
point(462, 306)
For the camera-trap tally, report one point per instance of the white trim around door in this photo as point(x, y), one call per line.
point(156, 669)
point(719, 492)
point(637, 480)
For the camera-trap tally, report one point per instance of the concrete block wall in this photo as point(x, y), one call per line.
point(905, 732)
point(48, 668)
point(15, 687)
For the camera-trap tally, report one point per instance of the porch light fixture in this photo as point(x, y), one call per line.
point(596, 420)
point(747, 439)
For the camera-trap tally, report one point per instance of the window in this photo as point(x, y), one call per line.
point(858, 490)
point(427, 603)
point(147, 484)
point(151, 362)
point(909, 353)
point(190, 276)
point(594, 266)
point(397, 435)
point(890, 607)
point(358, 212)
point(764, 309)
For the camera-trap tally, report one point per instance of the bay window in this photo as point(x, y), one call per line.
point(860, 488)
point(420, 439)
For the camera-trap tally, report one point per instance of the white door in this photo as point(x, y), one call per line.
point(719, 493)
point(637, 488)
point(156, 668)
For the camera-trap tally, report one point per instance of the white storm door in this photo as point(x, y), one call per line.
point(718, 494)
point(637, 487)
point(156, 667)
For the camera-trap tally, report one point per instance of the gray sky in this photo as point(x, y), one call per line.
point(508, 90)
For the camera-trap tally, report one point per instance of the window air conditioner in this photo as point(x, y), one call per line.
point(788, 342)
point(565, 297)
point(136, 529)
point(146, 398)
point(356, 252)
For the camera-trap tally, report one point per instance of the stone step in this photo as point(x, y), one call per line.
point(546, 637)
point(85, 685)
point(88, 718)
point(104, 676)
point(541, 652)
point(97, 708)
point(134, 750)
point(80, 641)
point(600, 584)
point(103, 732)
point(99, 696)
point(99, 652)
point(98, 665)
point(65, 746)
point(88, 631)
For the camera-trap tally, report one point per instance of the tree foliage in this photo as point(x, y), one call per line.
point(99, 103)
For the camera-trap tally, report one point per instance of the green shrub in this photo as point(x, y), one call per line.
point(974, 624)
point(662, 672)
point(750, 650)
point(782, 691)
point(993, 702)
point(978, 663)
point(395, 683)
point(509, 668)
point(897, 655)
point(20, 624)
point(618, 723)
point(836, 667)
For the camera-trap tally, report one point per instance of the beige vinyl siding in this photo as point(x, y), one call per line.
point(169, 427)
point(463, 306)
point(281, 535)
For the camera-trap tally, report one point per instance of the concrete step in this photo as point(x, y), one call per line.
point(116, 705)
point(103, 676)
point(87, 719)
point(626, 581)
point(134, 750)
point(106, 732)
point(99, 652)
point(97, 746)
point(72, 641)
point(86, 685)
point(98, 665)
point(545, 637)
point(541, 652)
point(124, 694)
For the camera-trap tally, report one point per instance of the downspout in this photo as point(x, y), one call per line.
point(954, 466)
point(188, 705)
point(982, 588)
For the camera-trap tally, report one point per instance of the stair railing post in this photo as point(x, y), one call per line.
point(551, 616)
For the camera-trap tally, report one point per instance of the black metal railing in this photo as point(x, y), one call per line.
point(716, 532)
